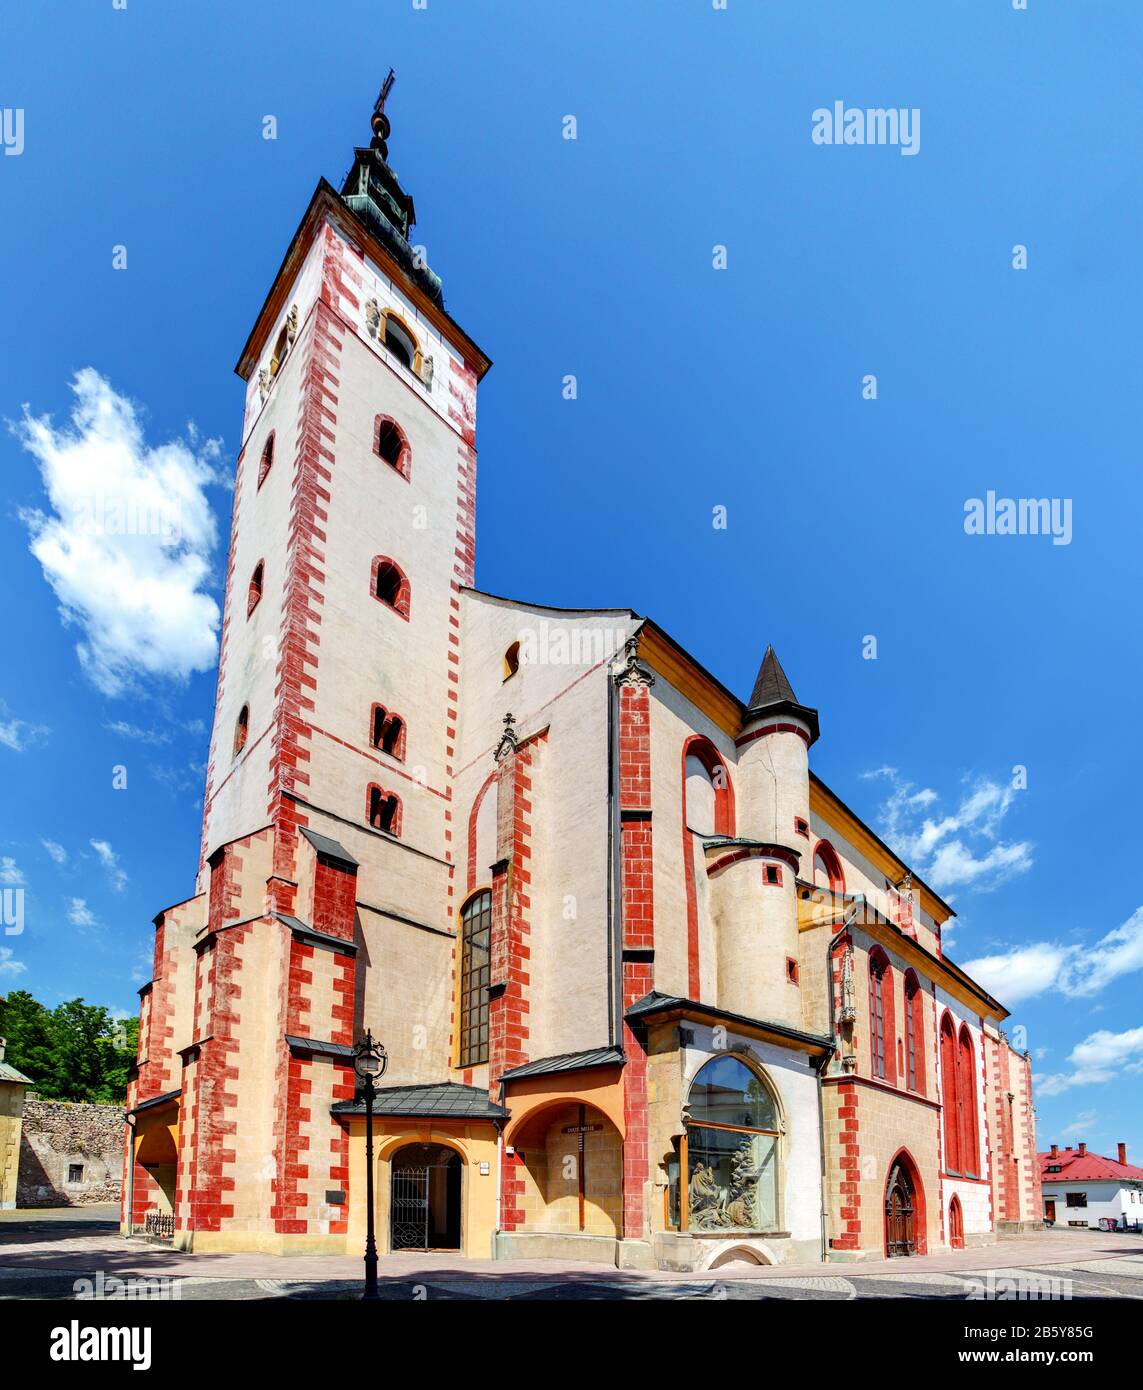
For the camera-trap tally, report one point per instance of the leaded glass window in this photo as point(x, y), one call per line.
point(475, 963)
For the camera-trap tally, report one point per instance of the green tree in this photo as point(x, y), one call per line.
point(76, 1051)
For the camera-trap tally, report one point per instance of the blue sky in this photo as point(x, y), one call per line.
point(697, 388)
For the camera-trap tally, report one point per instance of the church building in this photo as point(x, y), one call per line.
point(651, 993)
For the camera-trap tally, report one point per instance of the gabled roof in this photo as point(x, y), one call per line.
point(658, 1005)
point(567, 1061)
point(444, 1101)
point(1086, 1167)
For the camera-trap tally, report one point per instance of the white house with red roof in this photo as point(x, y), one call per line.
point(1082, 1189)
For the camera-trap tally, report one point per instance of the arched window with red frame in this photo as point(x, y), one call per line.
point(948, 1094)
point(267, 460)
point(241, 729)
point(828, 872)
point(966, 1105)
point(254, 593)
point(914, 1033)
point(391, 444)
point(390, 585)
point(882, 1044)
point(387, 732)
point(383, 810)
point(708, 797)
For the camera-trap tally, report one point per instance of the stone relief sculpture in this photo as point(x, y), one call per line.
point(372, 317)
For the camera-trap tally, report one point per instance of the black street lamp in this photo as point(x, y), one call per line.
point(369, 1061)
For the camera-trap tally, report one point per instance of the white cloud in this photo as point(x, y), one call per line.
point(1076, 971)
point(57, 851)
point(10, 871)
point(79, 914)
point(110, 861)
point(18, 734)
point(1021, 973)
point(127, 544)
point(133, 731)
point(1101, 1057)
point(8, 966)
point(1082, 1123)
point(959, 849)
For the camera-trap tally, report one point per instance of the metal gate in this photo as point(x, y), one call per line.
point(409, 1208)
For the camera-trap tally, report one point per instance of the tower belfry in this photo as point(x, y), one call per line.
point(374, 193)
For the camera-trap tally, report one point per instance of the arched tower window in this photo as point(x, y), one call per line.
point(827, 868)
point(241, 729)
point(384, 810)
point(708, 798)
point(391, 444)
point(387, 732)
point(966, 1105)
point(914, 1033)
point(254, 594)
point(732, 1149)
point(475, 976)
point(948, 1094)
point(281, 351)
point(267, 460)
point(881, 1040)
point(511, 660)
point(390, 585)
point(399, 342)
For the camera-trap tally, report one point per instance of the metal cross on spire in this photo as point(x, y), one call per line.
point(381, 126)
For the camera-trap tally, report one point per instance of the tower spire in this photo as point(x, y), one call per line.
point(373, 192)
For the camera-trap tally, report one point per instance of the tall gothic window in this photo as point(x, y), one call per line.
point(241, 729)
point(881, 1042)
point(390, 444)
point(708, 800)
point(730, 1151)
point(948, 1094)
point(966, 1105)
point(914, 1033)
point(475, 975)
point(267, 460)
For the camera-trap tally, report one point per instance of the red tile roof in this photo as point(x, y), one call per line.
point(1089, 1167)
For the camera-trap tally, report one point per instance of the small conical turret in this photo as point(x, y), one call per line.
point(773, 694)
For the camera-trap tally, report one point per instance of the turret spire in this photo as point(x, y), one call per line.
point(382, 128)
point(773, 694)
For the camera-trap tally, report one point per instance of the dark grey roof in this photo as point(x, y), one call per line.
point(318, 1048)
point(568, 1061)
point(300, 930)
point(445, 1101)
point(9, 1073)
point(772, 684)
point(156, 1100)
point(773, 693)
point(656, 1003)
point(330, 848)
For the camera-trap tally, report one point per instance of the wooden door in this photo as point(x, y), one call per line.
point(900, 1235)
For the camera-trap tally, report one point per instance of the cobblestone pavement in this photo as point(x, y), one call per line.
point(49, 1255)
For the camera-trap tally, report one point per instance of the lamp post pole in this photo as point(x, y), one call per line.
point(370, 1060)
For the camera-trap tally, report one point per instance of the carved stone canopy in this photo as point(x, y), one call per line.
point(633, 672)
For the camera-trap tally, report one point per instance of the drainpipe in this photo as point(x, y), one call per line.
point(130, 1120)
point(499, 1185)
point(614, 924)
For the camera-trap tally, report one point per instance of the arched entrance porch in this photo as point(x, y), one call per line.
point(568, 1172)
point(425, 1198)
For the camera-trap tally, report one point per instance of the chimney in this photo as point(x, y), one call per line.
point(4, 1043)
point(1122, 1145)
point(1081, 1149)
point(1055, 1150)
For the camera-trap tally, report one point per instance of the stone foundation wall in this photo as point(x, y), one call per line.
point(60, 1137)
